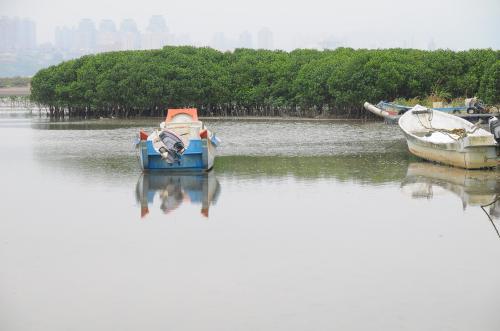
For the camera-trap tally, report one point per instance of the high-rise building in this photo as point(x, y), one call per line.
point(157, 34)
point(26, 34)
point(220, 42)
point(64, 38)
point(431, 45)
point(157, 24)
point(128, 25)
point(107, 37)
point(17, 34)
point(265, 39)
point(107, 26)
point(245, 40)
point(129, 35)
point(85, 36)
point(7, 34)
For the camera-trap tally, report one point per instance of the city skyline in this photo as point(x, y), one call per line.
point(125, 35)
point(34, 35)
point(104, 35)
point(21, 54)
point(449, 24)
point(156, 34)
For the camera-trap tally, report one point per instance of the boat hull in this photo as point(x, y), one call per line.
point(447, 139)
point(472, 157)
point(199, 156)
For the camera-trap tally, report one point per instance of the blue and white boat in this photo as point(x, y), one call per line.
point(181, 143)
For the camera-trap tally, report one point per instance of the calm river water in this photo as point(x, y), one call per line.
point(302, 225)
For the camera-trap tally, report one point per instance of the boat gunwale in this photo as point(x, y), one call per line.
point(455, 145)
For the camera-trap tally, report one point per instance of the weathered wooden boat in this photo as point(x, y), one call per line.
point(181, 143)
point(447, 139)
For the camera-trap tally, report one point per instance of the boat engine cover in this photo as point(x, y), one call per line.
point(174, 147)
point(494, 124)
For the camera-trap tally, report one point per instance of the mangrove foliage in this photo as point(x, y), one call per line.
point(249, 82)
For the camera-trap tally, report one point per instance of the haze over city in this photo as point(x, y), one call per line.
point(53, 30)
point(358, 23)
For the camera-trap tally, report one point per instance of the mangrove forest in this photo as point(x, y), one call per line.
point(249, 82)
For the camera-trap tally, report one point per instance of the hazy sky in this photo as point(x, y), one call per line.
point(456, 24)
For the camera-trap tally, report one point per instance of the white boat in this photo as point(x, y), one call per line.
point(448, 139)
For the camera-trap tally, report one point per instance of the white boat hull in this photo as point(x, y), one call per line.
point(468, 158)
point(429, 136)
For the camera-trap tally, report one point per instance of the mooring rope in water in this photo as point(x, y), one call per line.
point(489, 217)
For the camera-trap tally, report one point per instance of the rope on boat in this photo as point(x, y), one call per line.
point(459, 132)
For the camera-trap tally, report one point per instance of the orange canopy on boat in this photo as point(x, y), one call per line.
point(193, 112)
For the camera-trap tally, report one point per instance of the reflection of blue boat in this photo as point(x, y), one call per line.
point(181, 143)
point(173, 190)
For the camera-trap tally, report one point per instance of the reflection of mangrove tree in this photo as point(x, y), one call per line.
point(260, 82)
point(366, 168)
point(16, 101)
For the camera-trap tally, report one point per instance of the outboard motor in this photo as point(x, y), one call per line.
point(174, 147)
point(495, 128)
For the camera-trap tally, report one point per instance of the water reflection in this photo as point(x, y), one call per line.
point(173, 190)
point(473, 187)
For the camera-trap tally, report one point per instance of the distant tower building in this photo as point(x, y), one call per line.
point(157, 33)
point(245, 40)
point(64, 39)
point(129, 34)
point(431, 45)
point(265, 39)
point(107, 26)
point(157, 24)
point(7, 34)
point(26, 34)
point(86, 36)
point(107, 37)
point(220, 42)
point(17, 34)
